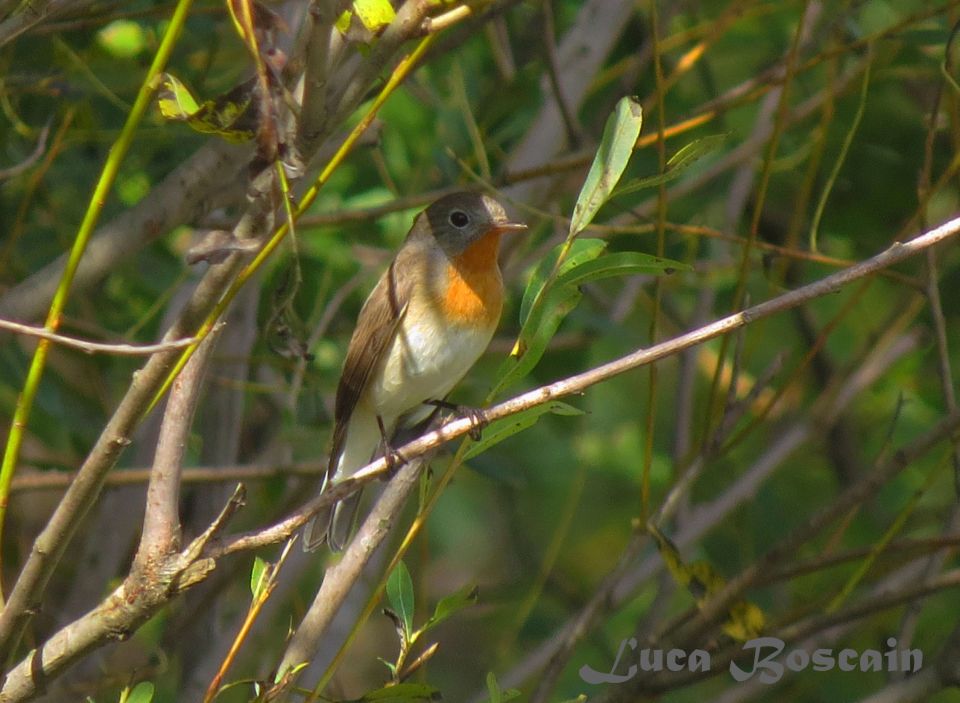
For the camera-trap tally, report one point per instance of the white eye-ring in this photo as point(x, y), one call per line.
point(459, 219)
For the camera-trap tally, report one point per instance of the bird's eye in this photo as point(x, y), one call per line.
point(459, 219)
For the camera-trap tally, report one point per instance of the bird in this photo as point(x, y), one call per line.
point(427, 321)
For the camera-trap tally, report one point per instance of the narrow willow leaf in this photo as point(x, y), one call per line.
point(506, 428)
point(692, 152)
point(581, 250)
point(258, 577)
point(619, 137)
point(400, 595)
point(452, 604)
point(678, 164)
point(493, 688)
point(623, 263)
point(532, 344)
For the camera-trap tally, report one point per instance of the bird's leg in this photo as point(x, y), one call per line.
point(477, 416)
point(393, 458)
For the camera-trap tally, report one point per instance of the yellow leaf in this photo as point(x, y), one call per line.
point(375, 14)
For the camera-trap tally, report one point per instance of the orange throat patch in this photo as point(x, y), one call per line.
point(474, 293)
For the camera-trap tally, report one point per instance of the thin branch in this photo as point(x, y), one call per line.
point(33, 13)
point(19, 168)
point(320, 17)
point(447, 19)
point(147, 588)
point(37, 480)
point(569, 115)
point(95, 347)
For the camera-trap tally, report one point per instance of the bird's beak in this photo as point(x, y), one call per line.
point(505, 227)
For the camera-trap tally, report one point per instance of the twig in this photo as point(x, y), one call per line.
point(148, 587)
point(19, 168)
point(570, 123)
point(321, 16)
point(37, 480)
point(33, 13)
point(95, 347)
point(447, 19)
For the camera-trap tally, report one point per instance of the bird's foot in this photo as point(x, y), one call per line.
point(392, 456)
point(394, 460)
point(477, 417)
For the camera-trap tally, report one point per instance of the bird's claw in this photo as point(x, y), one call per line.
point(394, 460)
point(478, 418)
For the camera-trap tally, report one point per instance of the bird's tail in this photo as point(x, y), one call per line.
point(332, 525)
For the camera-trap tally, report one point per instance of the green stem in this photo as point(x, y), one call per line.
point(118, 151)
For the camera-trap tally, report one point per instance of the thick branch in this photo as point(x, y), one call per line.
point(340, 578)
point(161, 520)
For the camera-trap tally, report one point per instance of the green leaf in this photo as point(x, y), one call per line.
point(581, 250)
point(497, 695)
point(390, 665)
point(174, 99)
point(536, 335)
point(493, 688)
point(690, 153)
point(506, 428)
point(678, 164)
point(400, 595)
point(451, 605)
point(619, 137)
point(624, 263)
point(402, 693)
point(258, 577)
point(141, 693)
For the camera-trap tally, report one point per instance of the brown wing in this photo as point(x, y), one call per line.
point(376, 327)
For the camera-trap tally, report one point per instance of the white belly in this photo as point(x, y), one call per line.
point(424, 362)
